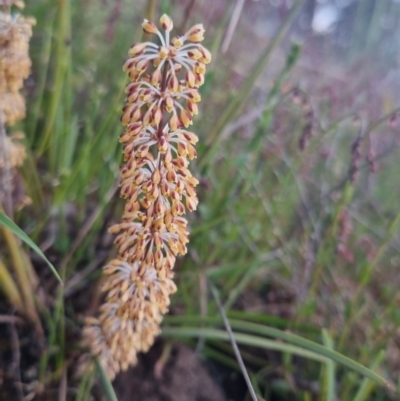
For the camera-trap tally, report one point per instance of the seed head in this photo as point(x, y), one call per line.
point(158, 187)
point(15, 65)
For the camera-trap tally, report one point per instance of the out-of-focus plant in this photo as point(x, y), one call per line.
point(18, 277)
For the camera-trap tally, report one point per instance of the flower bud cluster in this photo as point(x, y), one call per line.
point(15, 64)
point(161, 100)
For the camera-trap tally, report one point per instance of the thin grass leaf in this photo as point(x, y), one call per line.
point(24, 274)
point(270, 319)
point(316, 349)
point(8, 223)
point(367, 386)
point(70, 146)
point(328, 393)
point(105, 382)
point(248, 356)
point(257, 387)
point(9, 288)
point(62, 48)
point(44, 62)
point(240, 338)
point(234, 345)
point(55, 323)
point(85, 386)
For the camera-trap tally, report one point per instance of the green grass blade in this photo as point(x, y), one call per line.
point(62, 49)
point(234, 344)
point(70, 146)
point(54, 321)
point(85, 386)
point(8, 223)
point(367, 386)
point(240, 338)
point(328, 393)
point(105, 382)
point(9, 287)
point(315, 348)
point(272, 320)
point(44, 63)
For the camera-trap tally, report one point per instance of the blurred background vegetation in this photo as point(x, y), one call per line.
point(299, 209)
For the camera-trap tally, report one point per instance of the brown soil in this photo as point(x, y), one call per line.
point(183, 378)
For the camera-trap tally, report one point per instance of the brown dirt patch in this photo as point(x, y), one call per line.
point(183, 378)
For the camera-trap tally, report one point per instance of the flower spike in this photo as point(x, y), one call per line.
point(161, 100)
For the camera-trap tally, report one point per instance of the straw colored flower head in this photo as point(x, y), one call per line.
point(15, 64)
point(161, 100)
